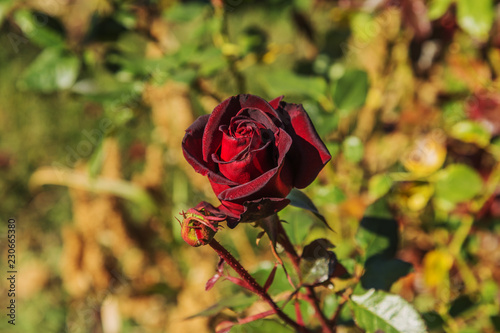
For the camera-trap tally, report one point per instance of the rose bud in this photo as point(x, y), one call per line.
point(200, 224)
point(254, 152)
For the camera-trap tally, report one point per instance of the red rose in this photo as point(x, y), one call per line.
point(254, 153)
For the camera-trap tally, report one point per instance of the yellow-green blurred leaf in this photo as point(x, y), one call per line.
point(379, 185)
point(35, 28)
point(350, 90)
point(437, 8)
point(472, 132)
point(476, 17)
point(437, 264)
point(353, 149)
point(457, 183)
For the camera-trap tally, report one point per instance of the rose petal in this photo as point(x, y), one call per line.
point(252, 210)
point(255, 163)
point(218, 186)
point(308, 151)
point(192, 143)
point(191, 148)
point(232, 147)
point(276, 182)
point(223, 113)
point(275, 103)
point(257, 116)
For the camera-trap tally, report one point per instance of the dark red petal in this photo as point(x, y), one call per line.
point(261, 208)
point(252, 210)
point(232, 147)
point(276, 182)
point(232, 210)
point(254, 163)
point(275, 103)
point(218, 185)
point(192, 150)
point(308, 152)
point(257, 116)
point(192, 145)
point(222, 115)
point(255, 102)
point(207, 207)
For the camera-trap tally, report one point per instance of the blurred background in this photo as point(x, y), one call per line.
point(95, 97)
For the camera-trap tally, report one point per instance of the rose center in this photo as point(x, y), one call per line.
point(246, 150)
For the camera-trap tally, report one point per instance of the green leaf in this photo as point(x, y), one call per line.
point(472, 132)
point(380, 208)
point(35, 28)
point(185, 75)
point(126, 18)
point(382, 273)
point(329, 194)
point(377, 311)
point(265, 325)
point(299, 199)
point(184, 12)
point(379, 185)
point(237, 301)
point(298, 224)
point(285, 82)
point(52, 70)
point(458, 183)
point(317, 263)
point(280, 283)
point(350, 90)
point(210, 61)
point(353, 149)
point(271, 227)
point(377, 237)
point(437, 8)
point(476, 17)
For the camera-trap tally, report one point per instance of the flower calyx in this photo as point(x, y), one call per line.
point(200, 224)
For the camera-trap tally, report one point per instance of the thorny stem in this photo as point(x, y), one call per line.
point(256, 288)
point(310, 294)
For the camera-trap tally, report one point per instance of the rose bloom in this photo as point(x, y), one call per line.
point(254, 152)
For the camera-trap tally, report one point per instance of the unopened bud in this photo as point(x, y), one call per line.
point(200, 224)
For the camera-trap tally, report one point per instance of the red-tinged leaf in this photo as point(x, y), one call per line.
point(211, 282)
point(257, 316)
point(298, 314)
point(237, 301)
point(240, 283)
point(270, 279)
point(339, 270)
point(224, 327)
point(289, 278)
point(217, 276)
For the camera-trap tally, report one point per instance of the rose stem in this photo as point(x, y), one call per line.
point(310, 294)
point(256, 288)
